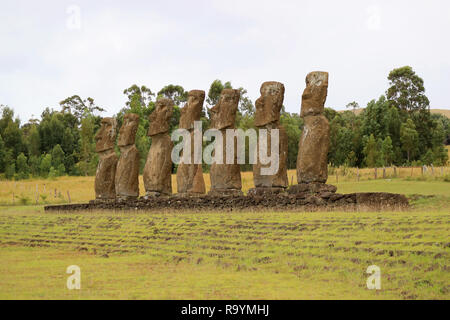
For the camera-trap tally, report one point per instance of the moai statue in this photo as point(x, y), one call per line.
point(158, 168)
point(190, 176)
point(225, 178)
point(267, 117)
point(312, 160)
point(127, 173)
point(106, 169)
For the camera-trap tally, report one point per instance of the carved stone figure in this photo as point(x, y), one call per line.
point(106, 169)
point(312, 160)
point(225, 178)
point(267, 116)
point(127, 173)
point(158, 168)
point(190, 176)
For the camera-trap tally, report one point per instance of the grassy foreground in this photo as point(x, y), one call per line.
point(225, 256)
point(246, 255)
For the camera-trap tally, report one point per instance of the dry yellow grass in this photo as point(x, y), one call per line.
point(81, 189)
point(444, 112)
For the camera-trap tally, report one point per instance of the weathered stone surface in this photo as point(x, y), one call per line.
point(105, 186)
point(159, 118)
point(280, 179)
point(315, 94)
point(223, 114)
point(267, 117)
point(190, 176)
point(158, 168)
point(127, 172)
point(127, 133)
point(226, 176)
point(192, 111)
point(313, 187)
point(106, 136)
point(312, 160)
point(272, 202)
point(218, 192)
point(381, 199)
point(269, 104)
point(106, 169)
point(261, 191)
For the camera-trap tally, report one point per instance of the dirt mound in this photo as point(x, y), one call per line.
point(276, 202)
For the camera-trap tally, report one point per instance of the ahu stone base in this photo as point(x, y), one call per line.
point(302, 201)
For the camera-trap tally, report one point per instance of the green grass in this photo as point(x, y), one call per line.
point(239, 255)
point(225, 256)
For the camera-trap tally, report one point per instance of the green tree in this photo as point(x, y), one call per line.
point(23, 170)
point(34, 163)
point(215, 90)
point(87, 162)
point(246, 106)
point(409, 138)
point(387, 151)
point(375, 119)
point(406, 90)
point(440, 156)
point(2, 154)
point(33, 141)
point(57, 156)
point(174, 92)
point(142, 94)
point(11, 133)
point(353, 105)
point(428, 158)
point(371, 152)
point(293, 125)
point(46, 164)
point(79, 107)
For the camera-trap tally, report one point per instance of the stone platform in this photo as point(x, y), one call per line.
point(304, 201)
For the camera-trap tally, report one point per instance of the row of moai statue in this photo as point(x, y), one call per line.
point(118, 177)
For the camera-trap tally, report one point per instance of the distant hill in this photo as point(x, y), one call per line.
point(445, 112)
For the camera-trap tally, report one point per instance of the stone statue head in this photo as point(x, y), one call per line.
point(223, 114)
point(315, 94)
point(192, 111)
point(106, 135)
point(127, 133)
point(160, 117)
point(269, 105)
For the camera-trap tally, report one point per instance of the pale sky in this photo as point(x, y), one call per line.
point(50, 50)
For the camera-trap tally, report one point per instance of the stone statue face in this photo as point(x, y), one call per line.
point(269, 105)
point(315, 94)
point(223, 114)
point(192, 111)
point(160, 117)
point(127, 133)
point(106, 136)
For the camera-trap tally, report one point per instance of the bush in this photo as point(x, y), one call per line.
point(24, 200)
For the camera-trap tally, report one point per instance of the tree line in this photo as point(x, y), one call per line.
point(395, 129)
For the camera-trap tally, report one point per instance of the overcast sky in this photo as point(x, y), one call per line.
point(50, 50)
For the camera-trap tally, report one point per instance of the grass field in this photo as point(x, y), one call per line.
point(81, 189)
point(246, 255)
